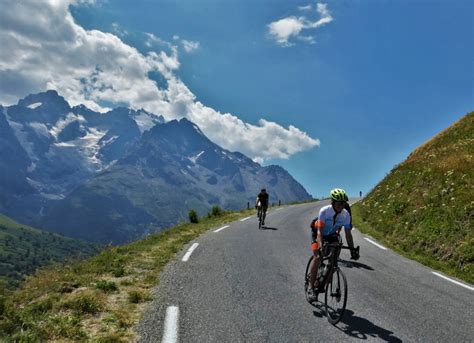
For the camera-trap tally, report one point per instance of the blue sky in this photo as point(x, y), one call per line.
point(367, 80)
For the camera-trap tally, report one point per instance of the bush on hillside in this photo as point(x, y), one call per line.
point(216, 211)
point(193, 217)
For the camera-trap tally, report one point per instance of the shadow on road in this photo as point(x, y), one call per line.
point(269, 228)
point(353, 264)
point(362, 328)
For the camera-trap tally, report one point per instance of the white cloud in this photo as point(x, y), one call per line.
point(117, 29)
point(153, 40)
point(92, 67)
point(305, 8)
point(283, 30)
point(189, 46)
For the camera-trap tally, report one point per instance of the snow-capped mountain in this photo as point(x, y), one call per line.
point(118, 175)
point(65, 146)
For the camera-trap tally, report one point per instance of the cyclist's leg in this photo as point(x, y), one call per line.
point(264, 213)
point(314, 265)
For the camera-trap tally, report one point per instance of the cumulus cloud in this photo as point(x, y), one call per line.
point(190, 46)
point(152, 40)
point(305, 8)
point(94, 68)
point(284, 29)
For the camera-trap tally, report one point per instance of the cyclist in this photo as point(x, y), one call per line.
point(326, 227)
point(261, 203)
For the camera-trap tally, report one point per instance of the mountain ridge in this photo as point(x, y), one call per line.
point(73, 157)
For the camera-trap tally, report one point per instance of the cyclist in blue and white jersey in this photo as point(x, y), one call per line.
point(326, 227)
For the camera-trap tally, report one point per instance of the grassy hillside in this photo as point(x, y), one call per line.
point(425, 207)
point(24, 249)
point(99, 299)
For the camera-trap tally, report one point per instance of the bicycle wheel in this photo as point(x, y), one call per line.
point(335, 297)
point(307, 276)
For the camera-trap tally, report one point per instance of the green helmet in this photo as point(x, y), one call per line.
point(338, 194)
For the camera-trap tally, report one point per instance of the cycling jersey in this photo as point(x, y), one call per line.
point(263, 198)
point(330, 222)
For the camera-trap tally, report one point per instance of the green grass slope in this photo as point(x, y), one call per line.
point(24, 249)
point(99, 299)
point(424, 208)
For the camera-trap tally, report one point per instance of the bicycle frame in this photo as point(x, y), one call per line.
point(333, 258)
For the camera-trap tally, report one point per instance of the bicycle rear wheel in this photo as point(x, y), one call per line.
point(335, 297)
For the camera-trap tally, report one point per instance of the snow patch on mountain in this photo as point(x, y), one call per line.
point(40, 129)
point(198, 130)
point(87, 148)
point(146, 121)
point(62, 123)
point(35, 105)
point(31, 168)
point(22, 137)
point(194, 158)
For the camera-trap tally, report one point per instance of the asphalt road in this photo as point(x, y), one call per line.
point(242, 284)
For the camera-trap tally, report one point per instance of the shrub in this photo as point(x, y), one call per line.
point(216, 211)
point(106, 286)
point(193, 216)
point(138, 296)
point(119, 271)
point(87, 302)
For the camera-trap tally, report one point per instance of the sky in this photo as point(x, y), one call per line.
point(336, 92)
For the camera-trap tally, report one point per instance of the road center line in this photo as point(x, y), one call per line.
point(374, 243)
point(170, 333)
point(454, 281)
point(243, 219)
point(222, 228)
point(190, 251)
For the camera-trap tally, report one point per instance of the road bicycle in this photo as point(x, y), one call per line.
point(330, 280)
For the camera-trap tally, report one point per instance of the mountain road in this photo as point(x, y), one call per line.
point(241, 284)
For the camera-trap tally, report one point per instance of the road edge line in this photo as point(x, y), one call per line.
point(375, 243)
point(453, 281)
point(189, 252)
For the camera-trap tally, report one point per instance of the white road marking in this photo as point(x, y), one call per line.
point(374, 243)
point(243, 219)
point(170, 334)
point(454, 281)
point(278, 209)
point(222, 228)
point(190, 251)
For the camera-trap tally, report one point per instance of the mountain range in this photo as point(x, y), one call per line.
point(116, 176)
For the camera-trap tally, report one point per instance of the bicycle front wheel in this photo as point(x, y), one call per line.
point(335, 297)
point(307, 276)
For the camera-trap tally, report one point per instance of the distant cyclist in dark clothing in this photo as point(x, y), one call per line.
point(261, 203)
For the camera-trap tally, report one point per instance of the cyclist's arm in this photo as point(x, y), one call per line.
point(349, 239)
point(348, 229)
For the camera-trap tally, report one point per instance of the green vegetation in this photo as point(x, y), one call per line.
point(99, 299)
point(216, 211)
point(24, 249)
point(193, 217)
point(424, 208)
